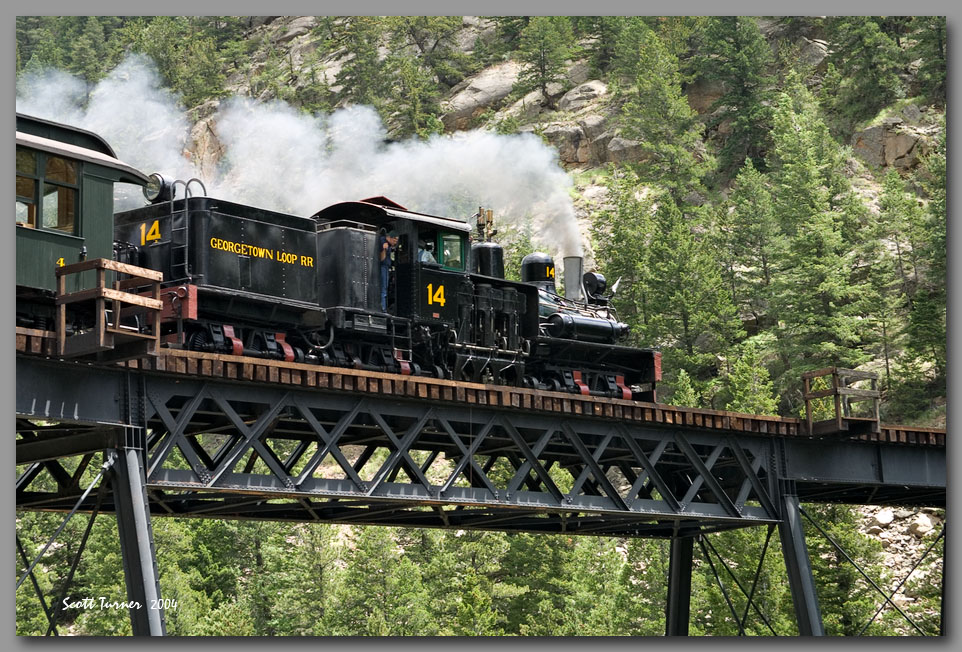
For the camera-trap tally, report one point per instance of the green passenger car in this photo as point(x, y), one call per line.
point(65, 180)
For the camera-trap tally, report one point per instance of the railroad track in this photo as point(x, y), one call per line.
point(238, 368)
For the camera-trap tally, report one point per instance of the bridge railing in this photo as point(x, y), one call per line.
point(855, 409)
point(126, 324)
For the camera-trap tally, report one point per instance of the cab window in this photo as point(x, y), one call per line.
point(427, 247)
point(47, 191)
point(452, 251)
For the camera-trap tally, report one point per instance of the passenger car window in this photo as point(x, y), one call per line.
point(26, 187)
point(56, 207)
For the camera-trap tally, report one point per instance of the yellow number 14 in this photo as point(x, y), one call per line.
point(435, 296)
point(153, 234)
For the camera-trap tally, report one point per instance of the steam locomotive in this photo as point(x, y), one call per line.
point(247, 281)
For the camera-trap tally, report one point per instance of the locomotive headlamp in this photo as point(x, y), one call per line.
point(158, 189)
point(595, 284)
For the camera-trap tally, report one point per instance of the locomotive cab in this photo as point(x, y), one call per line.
point(428, 259)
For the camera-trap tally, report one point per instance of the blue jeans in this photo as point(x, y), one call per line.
point(384, 279)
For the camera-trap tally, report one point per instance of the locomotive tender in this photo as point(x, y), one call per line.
point(247, 281)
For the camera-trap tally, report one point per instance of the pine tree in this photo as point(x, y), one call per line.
point(927, 320)
point(814, 295)
point(89, 51)
point(433, 42)
point(509, 28)
point(735, 53)
point(417, 98)
point(754, 241)
point(595, 569)
point(680, 35)
point(642, 587)
point(625, 64)
point(656, 113)
point(751, 389)
point(692, 316)
point(684, 394)
point(200, 77)
point(622, 236)
point(604, 32)
point(363, 79)
point(930, 46)
point(870, 62)
point(380, 593)
point(538, 567)
point(546, 44)
point(890, 251)
point(45, 54)
point(846, 600)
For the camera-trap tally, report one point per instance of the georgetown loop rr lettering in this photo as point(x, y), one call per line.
point(243, 249)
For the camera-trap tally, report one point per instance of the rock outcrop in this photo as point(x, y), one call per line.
point(895, 141)
point(475, 95)
point(583, 95)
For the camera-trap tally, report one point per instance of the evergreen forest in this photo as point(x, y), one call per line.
point(771, 193)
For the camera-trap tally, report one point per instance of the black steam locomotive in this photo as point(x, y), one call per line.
point(245, 281)
point(248, 281)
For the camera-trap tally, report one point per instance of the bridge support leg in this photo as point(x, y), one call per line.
point(678, 609)
point(137, 543)
point(801, 582)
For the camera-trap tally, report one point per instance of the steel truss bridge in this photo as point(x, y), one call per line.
point(210, 436)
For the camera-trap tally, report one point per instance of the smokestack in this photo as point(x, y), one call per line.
point(573, 289)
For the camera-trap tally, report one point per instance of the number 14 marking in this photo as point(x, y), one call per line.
point(153, 234)
point(435, 296)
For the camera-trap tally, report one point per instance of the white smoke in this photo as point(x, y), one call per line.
point(279, 158)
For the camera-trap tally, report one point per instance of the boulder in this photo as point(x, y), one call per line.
point(204, 148)
point(260, 21)
point(578, 73)
point(902, 149)
point(599, 146)
point(473, 96)
point(572, 145)
point(884, 517)
point(299, 26)
point(621, 150)
point(593, 125)
point(920, 526)
point(580, 96)
point(912, 113)
point(890, 144)
point(595, 194)
point(475, 29)
point(812, 52)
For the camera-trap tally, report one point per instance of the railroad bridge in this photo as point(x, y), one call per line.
point(188, 434)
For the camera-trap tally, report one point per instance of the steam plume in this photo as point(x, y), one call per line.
point(279, 158)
